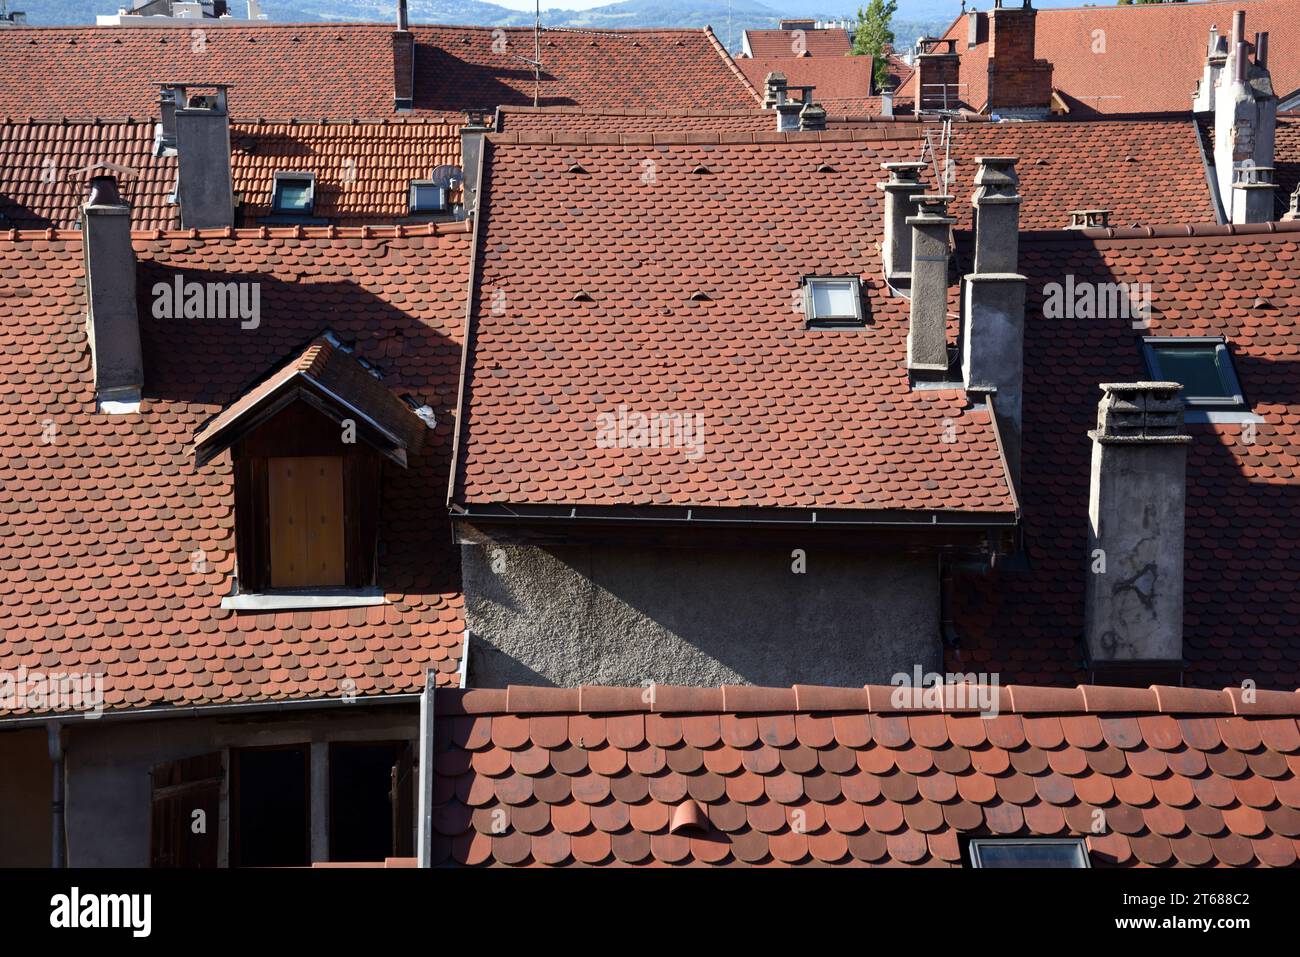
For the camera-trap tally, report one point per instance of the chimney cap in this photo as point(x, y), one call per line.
point(104, 192)
point(1140, 413)
point(1089, 218)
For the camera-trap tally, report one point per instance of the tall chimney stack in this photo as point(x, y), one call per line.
point(1245, 123)
point(903, 184)
point(1136, 513)
point(927, 328)
point(993, 334)
point(477, 123)
point(203, 185)
point(938, 69)
point(403, 62)
point(1216, 59)
point(112, 322)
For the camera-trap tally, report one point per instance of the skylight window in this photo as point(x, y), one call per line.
point(294, 195)
point(833, 301)
point(1028, 852)
point(427, 197)
point(1202, 365)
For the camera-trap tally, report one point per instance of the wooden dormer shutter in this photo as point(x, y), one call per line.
point(306, 517)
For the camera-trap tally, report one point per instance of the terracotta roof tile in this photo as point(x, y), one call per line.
point(117, 550)
point(752, 808)
point(828, 42)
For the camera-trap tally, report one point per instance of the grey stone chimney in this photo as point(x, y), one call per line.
point(1245, 122)
point(775, 87)
point(903, 184)
point(112, 323)
point(167, 119)
point(477, 123)
point(927, 327)
point(1293, 213)
point(993, 330)
point(1136, 509)
point(203, 185)
point(812, 118)
point(1215, 58)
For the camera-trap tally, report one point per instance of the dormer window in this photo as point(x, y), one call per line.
point(426, 196)
point(1066, 852)
point(308, 448)
point(833, 301)
point(294, 194)
point(1201, 364)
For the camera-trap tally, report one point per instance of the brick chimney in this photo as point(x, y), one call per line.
point(896, 249)
point(403, 62)
point(1134, 596)
point(993, 325)
point(927, 328)
point(203, 185)
point(937, 74)
point(1245, 122)
point(112, 323)
point(1018, 85)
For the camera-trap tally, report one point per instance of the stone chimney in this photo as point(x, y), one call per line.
point(166, 140)
point(937, 74)
point(203, 186)
point(896, 249)
point(1018, 85)
point(1089, 219)
point(812, 118)
point(993, 330)
point(1293, 213)
point(1134, 596)
point(112, 323)
point(477, 123)
point(403, 62)
point(1245, 122)
point(1216, 58)
point(886, 102)
point(775, 90)
point(927, 328)
point(977, 28)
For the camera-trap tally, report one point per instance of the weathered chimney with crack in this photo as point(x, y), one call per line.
point(927, 327)
point(1136, 514)
point(1245, 123)
point(993, 332)
point(403, 62)
point(203, 185)
point(112, 322)
point(896, 249)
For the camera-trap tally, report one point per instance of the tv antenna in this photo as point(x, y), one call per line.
point(536, 61)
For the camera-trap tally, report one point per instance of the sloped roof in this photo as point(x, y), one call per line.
point(663, 279)
point(810, 776)
point(105, 516)
point(1154, 53)
point(1286, 158)
point(1242, 596)
point(567, 120)
point(460, 68)
point(834, 77)
point(363, 170)
point(833, 42)
point(347, 386)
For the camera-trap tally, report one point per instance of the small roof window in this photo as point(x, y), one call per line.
point(427, 196)
point(833, 301)
point(1202, 364)
point(294, 195)
point(1068, 852)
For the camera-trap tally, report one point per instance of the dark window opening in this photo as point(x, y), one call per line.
point(369, 802)
point(270, 808)
point(294, 194)
point(1202, 365)
point(1028, 852)
point(427, 197)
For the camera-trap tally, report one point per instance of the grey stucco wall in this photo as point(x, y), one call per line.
point(108, 788)
point(627, 616)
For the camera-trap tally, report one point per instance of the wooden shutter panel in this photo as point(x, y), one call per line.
point(305, 502)
point(179, 788)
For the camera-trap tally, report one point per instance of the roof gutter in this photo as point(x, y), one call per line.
point(205, 710)
point(688, 515)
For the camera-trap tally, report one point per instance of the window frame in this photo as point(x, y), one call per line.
point(976, 843)
point(812, 321)
point(414, 210)
point(1236, 399)
point(288, 176)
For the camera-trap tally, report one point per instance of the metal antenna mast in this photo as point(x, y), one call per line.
point(536, 61)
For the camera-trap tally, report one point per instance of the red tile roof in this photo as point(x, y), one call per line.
point(345, 71)
point(115, 550)
point(834, 77)
point(1154, 55)
point(569, 120)
point(664, 279)
point(459, 68)
point(838, 776)
point(1286, 158)
point(362, 169)
point(1242, 596)
point(784, 43)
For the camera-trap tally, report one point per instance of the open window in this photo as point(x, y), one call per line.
point(1028, 852)
point(833, 301)
point(294, 194)
point(308, 447)
point(1201, 364)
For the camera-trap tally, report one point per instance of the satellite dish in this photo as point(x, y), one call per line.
point(447, 177)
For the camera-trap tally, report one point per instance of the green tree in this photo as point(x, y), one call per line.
point(873, 36)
